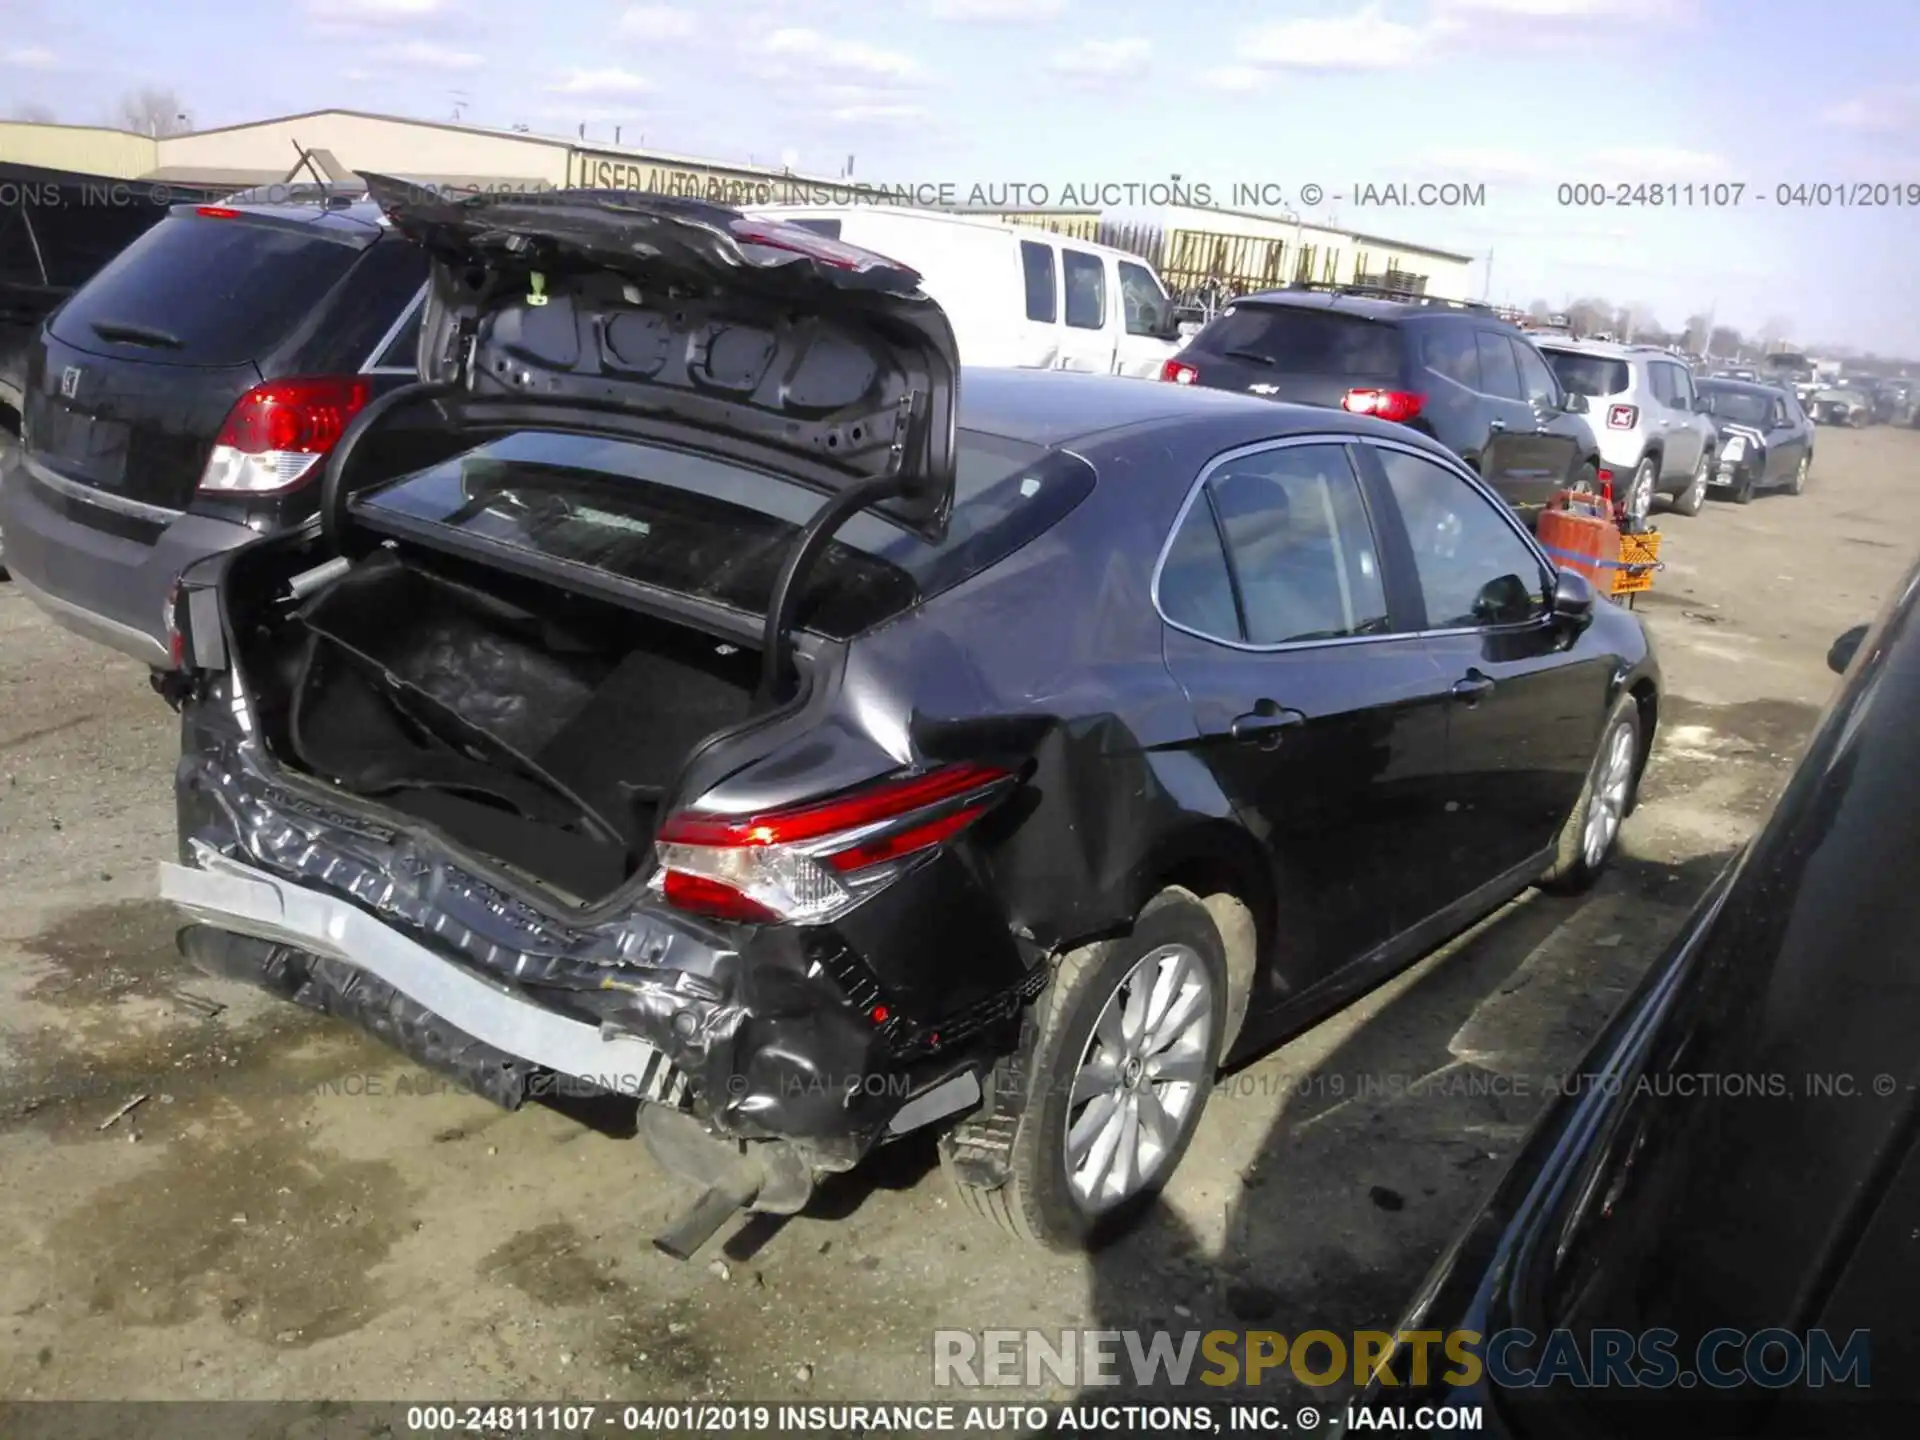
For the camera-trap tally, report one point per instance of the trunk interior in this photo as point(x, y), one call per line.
point(530, 724)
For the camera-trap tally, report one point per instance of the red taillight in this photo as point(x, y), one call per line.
point(217, 212)
point(1398, 405)
point(1178, 372)
point(813, 862)
point(176, 632)
point(1623, 417)
point(277, 433)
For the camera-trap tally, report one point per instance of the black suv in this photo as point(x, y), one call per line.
point(1450, 369)
point(183, 400)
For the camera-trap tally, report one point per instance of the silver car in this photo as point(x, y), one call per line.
point(1654, 437)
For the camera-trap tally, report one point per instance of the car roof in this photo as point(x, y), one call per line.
point(1608, 349)
point(1057, 408)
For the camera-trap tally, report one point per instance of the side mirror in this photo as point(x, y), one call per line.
point(1844, 649)
point(1572, 600)
point(1574, 403)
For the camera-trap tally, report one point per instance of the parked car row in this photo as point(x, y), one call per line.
point(1533, 413)
point(641, 659)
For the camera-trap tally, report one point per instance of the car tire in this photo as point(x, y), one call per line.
point(1637, 503)
point(1743, 491)
point(1586, 842)
point(1693, 499)
point(1083, 1031)
point(1798, 485)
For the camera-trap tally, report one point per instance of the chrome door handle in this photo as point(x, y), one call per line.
point(1471, 687)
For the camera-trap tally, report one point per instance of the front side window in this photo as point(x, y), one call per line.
point(1299, 545)
point(1499, 375)
point(1472, 567)
point(1086, 277)
point(1141, 297)
point(1535, 378)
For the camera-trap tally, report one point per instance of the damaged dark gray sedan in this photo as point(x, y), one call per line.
point(736, 719)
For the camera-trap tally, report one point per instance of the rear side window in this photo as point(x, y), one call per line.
point(1660, 378)
point(1299, 545)
point(1036, 260)
point(1594, 376)
point(1498, 373)
point(1306, 342)
point(1196, 592)
point(1086, 277)
point(204, 291)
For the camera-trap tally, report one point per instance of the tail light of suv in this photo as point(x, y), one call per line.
point(277, 434)
point(1622, 417)
point(813, 862)
point(1398, 405)
point(1178, 372)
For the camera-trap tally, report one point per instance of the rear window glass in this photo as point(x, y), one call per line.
point(1743, 407)
point(720, 531)
point(1317, 342)
point(205, 291)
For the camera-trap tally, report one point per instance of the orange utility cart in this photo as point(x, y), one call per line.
point(1581, 531)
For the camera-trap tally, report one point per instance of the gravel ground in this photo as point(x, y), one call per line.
point(289, 1211)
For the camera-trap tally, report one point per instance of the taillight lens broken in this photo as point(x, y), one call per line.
point(278, 433)
point(812, 863)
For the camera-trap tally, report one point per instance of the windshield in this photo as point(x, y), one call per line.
point(1743, 407)
point(720, 531)
point(1592, 375)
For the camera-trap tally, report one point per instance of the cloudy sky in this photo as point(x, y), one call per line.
point(1521, 96)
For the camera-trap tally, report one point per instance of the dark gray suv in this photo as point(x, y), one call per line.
point(183, 401)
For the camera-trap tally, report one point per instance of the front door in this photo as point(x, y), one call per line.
point(1324, 727)
point(1525, 719)
point(1145, 316)
point(1086, 337)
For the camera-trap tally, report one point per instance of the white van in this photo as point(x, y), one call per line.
point(1017, 296)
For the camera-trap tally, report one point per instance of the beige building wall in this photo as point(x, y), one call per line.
point(86, 149)
point(366, 142)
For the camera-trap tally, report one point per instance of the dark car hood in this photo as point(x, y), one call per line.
point(1733, 1131)
point(692, 323)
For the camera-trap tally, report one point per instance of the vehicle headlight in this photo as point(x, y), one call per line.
point(1736, 448)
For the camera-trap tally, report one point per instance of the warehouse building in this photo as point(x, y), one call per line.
point(1193, 247)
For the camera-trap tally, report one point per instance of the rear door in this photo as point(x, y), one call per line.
point(1040, 295)
point(1788, 442)
point(1673, 424)
point(1088, 332)
point(1307, 354)
point(141, 366)
point(1324, 727)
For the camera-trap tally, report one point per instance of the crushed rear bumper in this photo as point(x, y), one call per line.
point(745, 1028)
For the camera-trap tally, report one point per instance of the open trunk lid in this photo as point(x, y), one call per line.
point(675, 321)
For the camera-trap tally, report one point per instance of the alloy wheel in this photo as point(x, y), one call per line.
point(1800, 475)
point(1697, 490)
point(1609, 802)
point(1141, 1079)
point(1640, 497)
